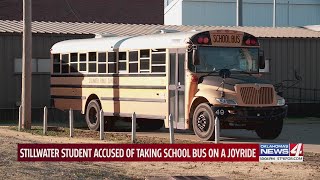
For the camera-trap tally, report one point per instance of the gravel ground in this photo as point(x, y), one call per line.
point(10, 168)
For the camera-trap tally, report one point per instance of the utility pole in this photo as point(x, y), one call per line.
point(26, 65)
point(239, 13)
point(274, 13)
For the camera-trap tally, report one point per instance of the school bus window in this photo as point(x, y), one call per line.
point(122, 55)
point(102, 62)
point(83, 57)
point(133, 56)
point(65, 58)
point(112, 57)
point(65, 68)
point(158, 69)
point(102, 57)
point(56, 58)
point(65, 65)
point(82, 67)
point(92, 56)
point(92, 62)
point(112, 62)
point(122, 66)
point(133, 68)
point(159, 58)
point(74, 57)
point(133, 62)
point(144, 53)
point(92, 67)
point(144, 64)
point(172, 62)
point(122, 62)
point(56, 68)
point(102, 68)
point(83, 62)
point(145, 61)
point(112, 68)
point(56, 63)
point(74, 67)
point(73, 62)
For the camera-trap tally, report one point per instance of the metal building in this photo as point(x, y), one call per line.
point(102, 11)
point(292, 51)
point(255, 12)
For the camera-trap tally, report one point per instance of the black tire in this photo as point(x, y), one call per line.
point(203, 122)
point(150, 124)
point(93, 115)
point(270, 129)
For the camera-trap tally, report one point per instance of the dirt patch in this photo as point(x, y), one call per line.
point(10, 168)
point(110, 137)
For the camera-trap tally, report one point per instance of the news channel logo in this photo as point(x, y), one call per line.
point(281, 152)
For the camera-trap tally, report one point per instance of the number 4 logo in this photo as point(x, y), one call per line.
point(296, 149)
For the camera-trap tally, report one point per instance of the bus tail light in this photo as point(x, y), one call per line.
point(194, 79)
point(205, 40)
point(200, 40)
point(251, 42)
point(248, 42)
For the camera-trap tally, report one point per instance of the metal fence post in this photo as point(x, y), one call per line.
point(45, 120)
point(101, 125)
point(134, 128)
point(20, 118)
point(171, 129)
point(217, 130)
point(71, 122)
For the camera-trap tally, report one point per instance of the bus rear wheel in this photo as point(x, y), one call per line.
point(203, 122)
point(270, 129)
point(150, 124)
point(93, 115)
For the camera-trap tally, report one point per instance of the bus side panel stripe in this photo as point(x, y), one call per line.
point(69, 97)
point(132, 99)
point(108, 75)
point(108, 86)
point(137, 115)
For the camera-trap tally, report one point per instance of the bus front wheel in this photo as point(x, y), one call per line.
point(203, 122)
point(92, 115)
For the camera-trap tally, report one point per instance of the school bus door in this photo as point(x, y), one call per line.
point(177, 87)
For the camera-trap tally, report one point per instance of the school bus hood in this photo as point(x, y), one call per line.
point(232, 81)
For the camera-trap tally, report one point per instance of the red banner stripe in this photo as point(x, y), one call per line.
point(138, 152)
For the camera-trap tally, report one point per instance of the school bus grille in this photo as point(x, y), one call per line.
point(252, 95)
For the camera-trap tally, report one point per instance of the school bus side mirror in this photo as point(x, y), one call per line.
point(262, 63)
point(195, 57)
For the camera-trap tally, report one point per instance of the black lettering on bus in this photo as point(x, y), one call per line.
point(238, 39)
point(220, 38)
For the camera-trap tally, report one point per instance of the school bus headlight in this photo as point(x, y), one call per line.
point(281, 102)
point(226, 101)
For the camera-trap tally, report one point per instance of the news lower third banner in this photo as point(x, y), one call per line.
point(161, 152)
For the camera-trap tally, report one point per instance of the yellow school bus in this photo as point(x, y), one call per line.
point(186, 74)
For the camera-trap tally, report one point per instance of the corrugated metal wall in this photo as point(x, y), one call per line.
point(10, 82)
point(295, 56)
point(255, 12)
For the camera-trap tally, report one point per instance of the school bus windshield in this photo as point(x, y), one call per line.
point(234, 59)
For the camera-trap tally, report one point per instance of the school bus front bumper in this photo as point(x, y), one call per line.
point(250, 117)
